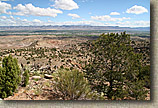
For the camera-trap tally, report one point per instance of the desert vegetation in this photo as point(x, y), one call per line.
point(112, 66)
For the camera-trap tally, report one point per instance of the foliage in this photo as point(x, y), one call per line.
point(38, 90)
point(114, 66)
point(72, 85)
point(145, 75)
point(136, 90)
point(2, 82)
point(9, 76)
point(36, 73)
point(26, 78)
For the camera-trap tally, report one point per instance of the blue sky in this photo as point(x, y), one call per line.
point(124, 13)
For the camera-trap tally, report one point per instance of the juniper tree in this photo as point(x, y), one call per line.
point(26, 78)
point(2, 82)
point(145, 75)
point(9, 76)
point(113, 66)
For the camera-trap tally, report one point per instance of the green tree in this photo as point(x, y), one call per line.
point(10, 76)
point(145, 75)
point(136, 91)
point(2, 82)
point(26, 78)
point(113, 66)
point(72, 85)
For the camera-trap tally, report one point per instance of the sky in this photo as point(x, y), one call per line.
point(123, 13)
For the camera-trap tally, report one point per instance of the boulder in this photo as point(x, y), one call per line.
point(48, 76)
point(36, 77)
point(45, 68)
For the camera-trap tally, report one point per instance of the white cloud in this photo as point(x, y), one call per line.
point(17, 18)
point(25, 20)
point(7, 21)
point(11, 17)
point(29, 9)
point(101, 18)
point(6, 0)
point(137, 10)
point(84, 1)
point(65, 4)
point(73, 15)
point(134, 24)
point(3, 17)
point(108, 18)
point(20, 22)
point(37, 21)
point(4, 7)
point(114, 13)
point(94, 23)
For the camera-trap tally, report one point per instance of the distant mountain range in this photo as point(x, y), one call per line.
point(71, 27)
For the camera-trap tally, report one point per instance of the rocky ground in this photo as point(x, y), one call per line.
point(37, 89)
point(44, 55)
